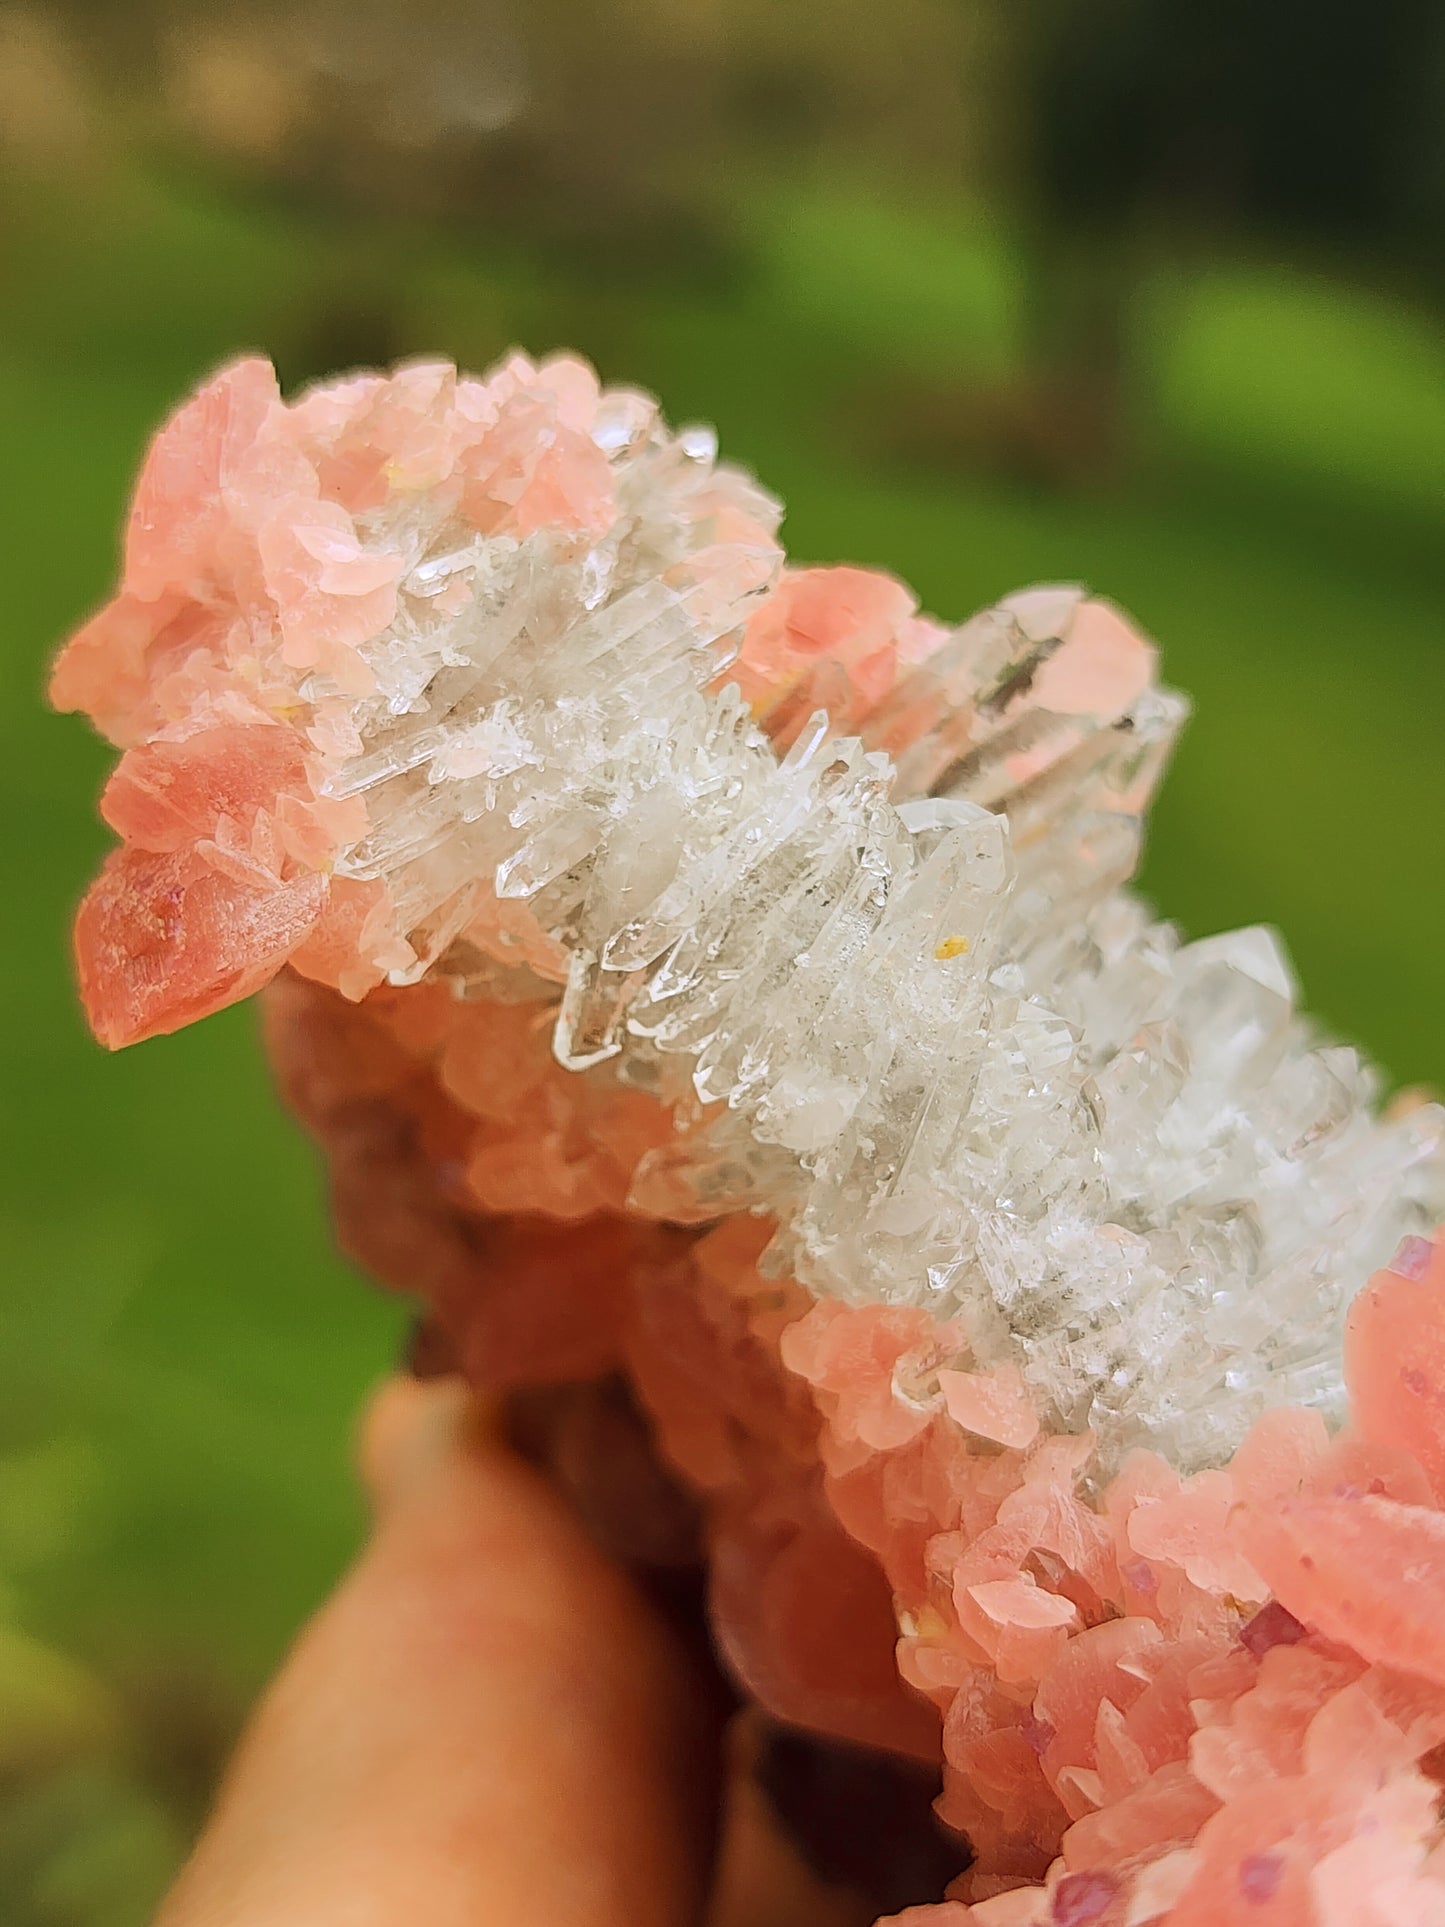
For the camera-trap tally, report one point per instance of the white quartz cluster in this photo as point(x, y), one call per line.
point(910, 1013)
point(524, 677)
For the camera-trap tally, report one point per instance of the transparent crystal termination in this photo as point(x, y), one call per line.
point(976, 1082)
point(520, 689)
point(890, 982)
point(959, 1065)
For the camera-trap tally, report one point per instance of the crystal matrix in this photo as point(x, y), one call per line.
point(726, 974)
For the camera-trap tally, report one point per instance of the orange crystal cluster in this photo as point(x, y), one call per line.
point(1195, 1700)
point(1198, 1696)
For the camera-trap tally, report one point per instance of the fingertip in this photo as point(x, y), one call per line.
point(485, 1714)
point(411, 1429)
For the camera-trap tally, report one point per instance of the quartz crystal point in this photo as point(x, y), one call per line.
point(723, 975)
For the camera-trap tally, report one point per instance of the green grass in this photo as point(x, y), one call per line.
point(180, 1350)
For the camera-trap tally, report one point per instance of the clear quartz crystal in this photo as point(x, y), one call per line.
point(935, 1039)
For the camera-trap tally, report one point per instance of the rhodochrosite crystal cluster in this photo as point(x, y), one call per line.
point(722, 976)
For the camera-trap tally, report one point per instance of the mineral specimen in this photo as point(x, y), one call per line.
point(726, 976)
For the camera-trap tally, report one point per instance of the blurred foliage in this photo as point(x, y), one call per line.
point(818, 228)
point(1155, 130)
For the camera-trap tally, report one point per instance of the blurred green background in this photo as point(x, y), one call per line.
point(989, 292)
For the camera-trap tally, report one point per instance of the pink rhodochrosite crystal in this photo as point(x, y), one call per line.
point(720, 980)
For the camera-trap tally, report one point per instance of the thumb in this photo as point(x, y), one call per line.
point(484, 1724)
